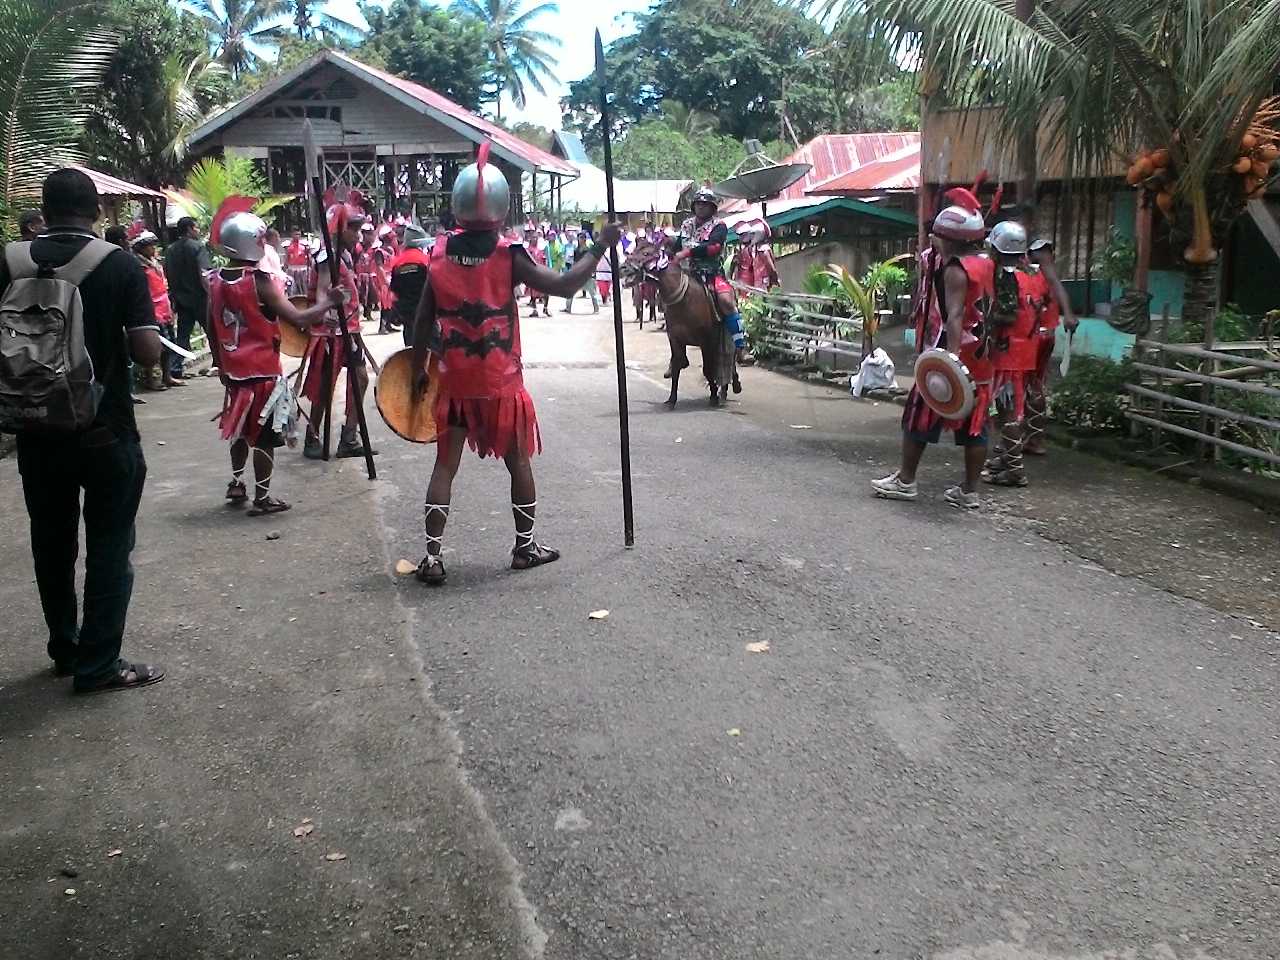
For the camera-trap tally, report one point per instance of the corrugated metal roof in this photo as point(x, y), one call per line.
point(897, 172)
point(109, 186)
point(572, 147)
point(534, 156)
point(413, 95)
point(834, 155)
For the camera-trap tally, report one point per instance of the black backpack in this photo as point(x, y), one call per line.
point(47, 384)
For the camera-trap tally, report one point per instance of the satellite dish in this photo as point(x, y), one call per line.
point(758, 178)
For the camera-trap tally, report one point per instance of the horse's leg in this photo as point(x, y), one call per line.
point(678, 361)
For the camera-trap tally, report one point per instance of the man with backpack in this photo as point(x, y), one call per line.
point(72, 309)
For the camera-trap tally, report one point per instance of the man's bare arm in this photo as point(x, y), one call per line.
point(144, 346)
point(273, 299)
point(1044, 260)
point(955, 285)
point(566, 284)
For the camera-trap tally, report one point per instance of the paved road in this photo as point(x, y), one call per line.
point(966, 741)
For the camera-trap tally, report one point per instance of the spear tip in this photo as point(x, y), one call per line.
point(599, 52)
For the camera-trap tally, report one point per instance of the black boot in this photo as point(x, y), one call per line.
point(311, 449)
point(349, 444)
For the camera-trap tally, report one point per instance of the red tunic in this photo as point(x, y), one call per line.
point(481, 374)
point(248, 353)
point(930, 322)
point(324, 336)
point(765, 271)
point(744, 265)
point(248, 341)
point(1014, 348)
point(158, 287)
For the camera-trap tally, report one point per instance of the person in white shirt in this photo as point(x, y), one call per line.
point(270, 262)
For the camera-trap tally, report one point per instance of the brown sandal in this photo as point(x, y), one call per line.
point(267, 505)
point(142, 675)
point(237, 492)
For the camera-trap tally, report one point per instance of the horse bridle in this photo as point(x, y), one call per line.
point(655, 277)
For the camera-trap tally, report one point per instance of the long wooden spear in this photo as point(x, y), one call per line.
point(624, 424)
point(312, 160)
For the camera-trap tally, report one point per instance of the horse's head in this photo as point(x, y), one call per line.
point(646, 257)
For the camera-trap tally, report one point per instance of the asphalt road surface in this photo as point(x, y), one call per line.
point(968, 737)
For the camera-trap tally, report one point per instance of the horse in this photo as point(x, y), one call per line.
point(691, 318)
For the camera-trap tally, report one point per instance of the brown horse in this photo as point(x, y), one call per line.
point(691, 317)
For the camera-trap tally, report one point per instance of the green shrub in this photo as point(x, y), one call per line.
point(1092, 395)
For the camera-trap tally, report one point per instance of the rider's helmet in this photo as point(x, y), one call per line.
point(706, 195)
point(1009, 237)
point(481, 197)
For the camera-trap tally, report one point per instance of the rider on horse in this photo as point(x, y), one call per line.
point(701, 241)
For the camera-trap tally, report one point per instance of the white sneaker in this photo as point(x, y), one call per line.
point(957, 497)
point(891, 488)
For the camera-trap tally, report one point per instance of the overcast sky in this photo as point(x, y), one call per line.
point(575, 24)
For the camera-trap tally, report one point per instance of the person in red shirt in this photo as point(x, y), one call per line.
point(1057, 311)
point(408, 276)
point(144, 248)
point(246, 306)
point(468, 317)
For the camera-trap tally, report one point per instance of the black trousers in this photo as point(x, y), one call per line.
point(111, 471)
point(187, 320)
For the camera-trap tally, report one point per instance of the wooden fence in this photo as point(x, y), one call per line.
point(1194, 392)
point(807, 329)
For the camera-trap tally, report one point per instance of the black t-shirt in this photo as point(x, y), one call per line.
point(185, 263)
point(116, 299)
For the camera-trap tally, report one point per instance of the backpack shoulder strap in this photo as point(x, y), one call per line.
point(17, 257)
point(86, 261)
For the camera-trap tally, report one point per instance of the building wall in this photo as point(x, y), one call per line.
point(365, 118)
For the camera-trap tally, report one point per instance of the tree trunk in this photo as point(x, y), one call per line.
point(1200, 297)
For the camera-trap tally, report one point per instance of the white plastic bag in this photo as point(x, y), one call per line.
point(876, 372)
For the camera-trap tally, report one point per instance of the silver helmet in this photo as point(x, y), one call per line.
point(416, 238)
point(242, 237)
point(1009, 237)
point(958, 223)
point(481, 197)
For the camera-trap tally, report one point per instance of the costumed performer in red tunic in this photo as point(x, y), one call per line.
point(953, 296)
point(408, 276)
point(1057, 311)
point(246, 305)
point(345, 219)
point(1014, 323)
point(468, 317)
point(297, 264)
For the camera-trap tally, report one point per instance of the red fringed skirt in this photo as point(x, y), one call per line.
point(495, 426)
point(251, 406)
point(1009, 388)
point(919, 417)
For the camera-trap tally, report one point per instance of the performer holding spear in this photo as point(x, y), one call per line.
point(469, 318)
point(337, 227)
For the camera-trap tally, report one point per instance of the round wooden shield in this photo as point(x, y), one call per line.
point(410, 415)
point(945, 384)
point(293, 342)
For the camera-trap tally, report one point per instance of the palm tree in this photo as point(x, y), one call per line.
point(318, 20)
point(691, 122)
point(241, 31)
point(1109, 78)
point(520, 55)
point(53, 55)
point(145, 137)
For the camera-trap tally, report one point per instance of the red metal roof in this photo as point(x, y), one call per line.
point(896, 172)
point(109, 186)
point(836, 154)
point(434, 101)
